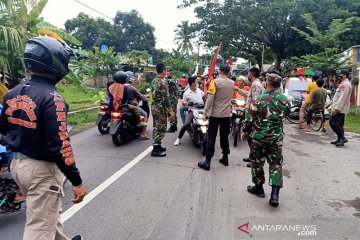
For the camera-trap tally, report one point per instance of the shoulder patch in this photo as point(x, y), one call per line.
point(212, 88)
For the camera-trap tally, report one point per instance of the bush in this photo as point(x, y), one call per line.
point(143, 86)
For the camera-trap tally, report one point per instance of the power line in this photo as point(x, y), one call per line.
point(112, 19)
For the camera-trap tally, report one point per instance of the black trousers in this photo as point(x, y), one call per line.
point(214, 124)
point(337, 124)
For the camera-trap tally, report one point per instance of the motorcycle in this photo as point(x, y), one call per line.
point(238, 115)
point(123, 126)
point(104, 119)
point(198, 128)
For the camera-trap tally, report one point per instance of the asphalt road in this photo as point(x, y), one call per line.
point(171, 198)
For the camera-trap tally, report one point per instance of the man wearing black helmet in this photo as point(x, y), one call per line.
point(34, 120)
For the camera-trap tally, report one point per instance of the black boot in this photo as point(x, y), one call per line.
point(257, 190)
point(205, 164)
point(224, 160)
point(335, 141)
point(158, 152)
point(341, 142)
point(162, 148)
point(247, 159)
point(274, 199)
point(172, 128)
point(248, 165)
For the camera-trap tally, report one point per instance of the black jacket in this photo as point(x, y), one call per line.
point(34, 121)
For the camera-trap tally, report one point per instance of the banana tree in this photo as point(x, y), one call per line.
point(19, 20)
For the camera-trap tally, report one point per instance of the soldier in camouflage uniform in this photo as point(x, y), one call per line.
point(264, 120)
point(160, 108)
point(174, 87)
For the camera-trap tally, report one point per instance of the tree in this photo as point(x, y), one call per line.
point(159, 55)
point(19, 20)
point(91, 32)
point(327, 41)
point(245, 25)
point(183, 38)
point(180, 63)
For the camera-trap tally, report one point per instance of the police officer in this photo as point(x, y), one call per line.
point(160, 108)
point(256, 89)
point(264, 121)
point(218, 111)
point(34, 120)
point(174, 87)
point(340, 106)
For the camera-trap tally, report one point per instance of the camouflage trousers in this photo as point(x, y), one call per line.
point(173, 121)
point(159, 126)
point(272, 152)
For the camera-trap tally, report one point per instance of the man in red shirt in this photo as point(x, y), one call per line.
point(183, 80)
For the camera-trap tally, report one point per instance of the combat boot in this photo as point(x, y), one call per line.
point(158, 152)
point(172, 128)
point(247, 159)
point(335, 141)
point(162, 148)
point(224, 160)
point(274, 199)
point(205, 165)
point(257, 190)
point(341, 142)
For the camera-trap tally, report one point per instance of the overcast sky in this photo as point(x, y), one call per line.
point(162, 14)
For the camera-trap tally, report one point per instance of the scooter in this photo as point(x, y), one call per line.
point(104, 119)
point(198, 128)
point(238, 115)
point(123, 126)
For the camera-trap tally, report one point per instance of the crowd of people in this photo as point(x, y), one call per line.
point(34, 124)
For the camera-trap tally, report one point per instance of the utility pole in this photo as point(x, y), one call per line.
point(262, 57)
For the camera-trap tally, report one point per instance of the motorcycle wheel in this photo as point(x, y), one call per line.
point(118, 138)
point(236, 134)
point(103, 125)
point(203, 146)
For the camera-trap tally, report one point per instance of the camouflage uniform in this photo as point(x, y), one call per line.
point(256, 89)
point(265, 119)
point(174, 86)
point(159, 109)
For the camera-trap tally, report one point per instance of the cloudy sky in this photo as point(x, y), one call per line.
point(162, 14)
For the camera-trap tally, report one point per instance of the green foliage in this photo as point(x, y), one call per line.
point(352, 121)
point(99, 97)
point(180, 63)
point(244, 26)
point(143, 86)
point(136, 57)
point(76, 97)
point(183, 38)
point(83, 117)
point(129, 32)
point(93, 64)
point(160, 55)
point(327, 59)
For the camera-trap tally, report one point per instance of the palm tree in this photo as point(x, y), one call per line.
point(183, 38)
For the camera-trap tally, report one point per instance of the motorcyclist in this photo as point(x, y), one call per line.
point(35, 124)
point(192, 96)
point(134, 98)
point(119, 96)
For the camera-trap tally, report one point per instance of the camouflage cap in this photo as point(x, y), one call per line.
point(272, 77)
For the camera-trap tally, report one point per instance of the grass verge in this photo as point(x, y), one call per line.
point(81, 118)
point(352, 122)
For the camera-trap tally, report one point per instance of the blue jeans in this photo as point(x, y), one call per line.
point(182, 113)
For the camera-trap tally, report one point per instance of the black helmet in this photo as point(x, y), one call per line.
point(120, 77)
point(48, 55)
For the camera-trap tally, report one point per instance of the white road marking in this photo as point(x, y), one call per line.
point(89, 197)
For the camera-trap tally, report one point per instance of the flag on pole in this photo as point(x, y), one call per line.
point(206, 71)
point(212, 68)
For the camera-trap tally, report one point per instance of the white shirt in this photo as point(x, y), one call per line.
point(193, 97)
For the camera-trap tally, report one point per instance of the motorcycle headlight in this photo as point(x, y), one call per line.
point(203, 129)
point(240, 102)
